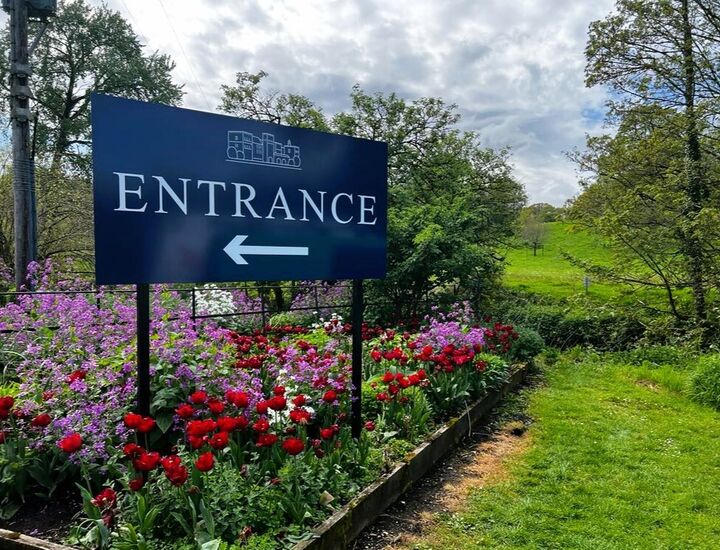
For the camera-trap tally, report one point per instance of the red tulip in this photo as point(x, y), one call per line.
point(185, 411)
point(146, 425)
point(277, 403)
point(293, 446)
point(137, 483)
point(41, 420)
point(219, 440)
point(6, 403)
point(261, 425)
point(216, 406)
point(146, 461)
point(105, 498)
point(133, 450)
point(71, 443)
point(205, 462)
point(133, 420)
point(238, 398)
point(226, 423)
point(177, 475)
point(198, 397)
point(266, 440)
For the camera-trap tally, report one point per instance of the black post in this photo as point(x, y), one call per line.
point(194, 306)
point(357, 370)
point(262, 308)
point(143, 349)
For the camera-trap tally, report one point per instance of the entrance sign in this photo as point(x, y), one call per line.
point(186, 196)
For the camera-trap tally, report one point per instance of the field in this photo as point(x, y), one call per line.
point(549, 272)
point(618, 459)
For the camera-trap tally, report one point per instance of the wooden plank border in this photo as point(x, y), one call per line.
point(10, 540)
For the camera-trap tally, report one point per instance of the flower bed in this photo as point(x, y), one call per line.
point(248, 444)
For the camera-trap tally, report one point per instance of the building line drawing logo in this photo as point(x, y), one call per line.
point(249, 148)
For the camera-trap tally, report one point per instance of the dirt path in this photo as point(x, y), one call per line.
point(476, 461)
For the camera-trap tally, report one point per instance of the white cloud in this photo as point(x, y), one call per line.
point(515, 68)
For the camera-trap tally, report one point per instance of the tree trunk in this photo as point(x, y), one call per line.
point(697, 192)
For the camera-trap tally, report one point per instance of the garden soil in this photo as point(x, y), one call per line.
point(478, 460)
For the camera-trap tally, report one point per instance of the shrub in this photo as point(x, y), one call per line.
point(705, 381)
point(656, 356)
point(568, 323)
point(528, 345)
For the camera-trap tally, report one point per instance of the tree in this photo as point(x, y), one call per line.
point(246, 99)
point(85, 49)
point(635, 201)
point(532, 228)
point(546, 212)
point(451, 201)
point(660, 58)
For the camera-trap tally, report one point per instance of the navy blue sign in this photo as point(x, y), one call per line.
point(185, 196)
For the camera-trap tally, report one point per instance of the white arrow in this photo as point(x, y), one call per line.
point(235, 249)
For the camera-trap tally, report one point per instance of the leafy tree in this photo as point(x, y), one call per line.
point(86, 49)
point(636, 200)
point(532, 228)
point(451, 202)
point(246, 99)
point(660, 58)
point(546, 212)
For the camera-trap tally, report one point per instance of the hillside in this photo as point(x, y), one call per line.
point(549, 272)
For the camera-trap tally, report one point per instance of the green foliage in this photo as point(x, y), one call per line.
point(551, 273)
point(532, 228)
point(652, 186)
point(87, 49)
point(292, 318)
point(678, 357)
point(528, 345)
point(705, 382)
point(450, 200)
point(577, 322)
point(245, 99)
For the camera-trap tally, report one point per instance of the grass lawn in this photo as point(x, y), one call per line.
point(550, 273)
point(617, 460)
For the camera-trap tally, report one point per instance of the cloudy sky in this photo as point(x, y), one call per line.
point(514, 67)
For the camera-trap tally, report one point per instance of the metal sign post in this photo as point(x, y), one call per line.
point(143, 348)
point(357, 343)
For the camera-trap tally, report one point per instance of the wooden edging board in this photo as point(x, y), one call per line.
point(10, 540)
point(339, 530)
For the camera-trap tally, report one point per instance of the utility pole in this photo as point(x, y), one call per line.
point(25, 217)
point(23, 166)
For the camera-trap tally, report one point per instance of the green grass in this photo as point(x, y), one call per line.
point(550, 273)
point(617, 461)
